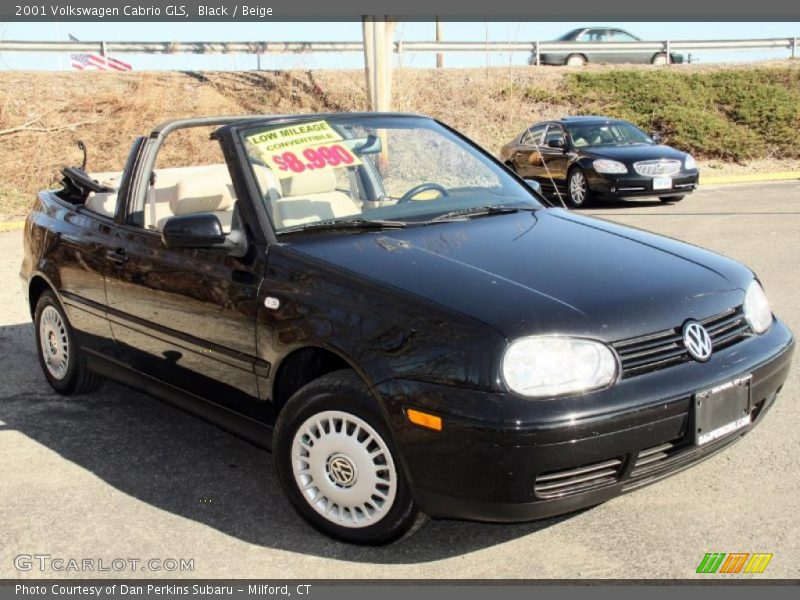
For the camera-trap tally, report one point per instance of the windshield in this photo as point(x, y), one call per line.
point(403, 170)
point(607, 134)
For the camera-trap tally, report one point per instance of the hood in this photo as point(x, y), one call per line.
point(549, 271)
point(634, 153)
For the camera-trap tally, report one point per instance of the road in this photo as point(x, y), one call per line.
point(120, 475)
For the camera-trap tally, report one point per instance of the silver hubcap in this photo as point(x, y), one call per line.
point(660, 60)
point(577, 187)
point(344, 469)
point(575, 61)
point(54, 342)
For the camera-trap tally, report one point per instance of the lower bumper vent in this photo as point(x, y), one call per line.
point(650, 458)
point(578, 479)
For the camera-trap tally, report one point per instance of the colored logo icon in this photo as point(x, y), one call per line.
point(734, 562)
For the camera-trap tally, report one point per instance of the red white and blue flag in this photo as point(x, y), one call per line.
point(85, 61)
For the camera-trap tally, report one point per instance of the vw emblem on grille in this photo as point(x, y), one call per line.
point(341, 471)
point(697, 341)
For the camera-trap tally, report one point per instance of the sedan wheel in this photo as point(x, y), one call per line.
point(578, 189)
point(575, 60)
point(660, 60)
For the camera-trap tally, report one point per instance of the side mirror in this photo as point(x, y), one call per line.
point(656, 137)
point(557, 143)
point(200, 230)
point(534, 185)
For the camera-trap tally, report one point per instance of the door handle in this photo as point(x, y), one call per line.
point(117, 256)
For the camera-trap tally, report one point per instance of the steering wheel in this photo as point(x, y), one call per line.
point(423, 187)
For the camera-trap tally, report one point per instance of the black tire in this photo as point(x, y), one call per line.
point(344, 393)
point(76, 378)
point(574, 200)
point(671, 199)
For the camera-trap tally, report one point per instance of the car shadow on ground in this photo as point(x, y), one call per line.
point(178, 463)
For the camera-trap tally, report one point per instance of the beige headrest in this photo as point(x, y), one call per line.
point(199, 195)
point(318, 181)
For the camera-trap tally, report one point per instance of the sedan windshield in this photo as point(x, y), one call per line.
point(372, 172)
point(607, 134)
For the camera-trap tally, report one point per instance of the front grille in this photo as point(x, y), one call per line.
point(657, 168)
point(579, 479)
point(665, 348)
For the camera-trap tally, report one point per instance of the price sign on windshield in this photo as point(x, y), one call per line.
point(295, 149)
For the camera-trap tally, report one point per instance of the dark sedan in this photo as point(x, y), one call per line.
point(620, 50)
point(400, 319)
point(582, 159)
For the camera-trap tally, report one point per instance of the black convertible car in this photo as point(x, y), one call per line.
point(585, 158)
point(407, 325)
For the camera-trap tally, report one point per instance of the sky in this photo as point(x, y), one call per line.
point(406, 31)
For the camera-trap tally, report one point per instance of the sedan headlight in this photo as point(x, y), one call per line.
point(549, 365)
point(756, 308)
point(603, 165)
point(689, 163)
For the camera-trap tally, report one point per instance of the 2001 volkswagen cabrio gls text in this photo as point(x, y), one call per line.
point(406, 323)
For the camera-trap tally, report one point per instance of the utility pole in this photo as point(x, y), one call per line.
point(378, 49)
point(439, 37)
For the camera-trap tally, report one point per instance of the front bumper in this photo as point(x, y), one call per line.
point(633, 185)
point(485, 463)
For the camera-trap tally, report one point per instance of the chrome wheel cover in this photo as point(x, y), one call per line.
point(54, 342)
point(575, 61)
point(343, 469)
point(577, 188)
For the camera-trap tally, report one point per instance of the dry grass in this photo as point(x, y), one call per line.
point(108, 110)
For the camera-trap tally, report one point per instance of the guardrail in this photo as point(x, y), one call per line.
point(536, 48)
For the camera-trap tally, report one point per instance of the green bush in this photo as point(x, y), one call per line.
point(730, 114)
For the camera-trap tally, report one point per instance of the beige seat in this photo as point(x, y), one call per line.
point(312, 196)
point(103, 203)
point(200, 195)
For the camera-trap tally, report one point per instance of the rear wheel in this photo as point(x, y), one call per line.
point(659, 59)
point(576, 60)
point(578, 193)
point(671, 199)
point(60, 356)
point(338, 465)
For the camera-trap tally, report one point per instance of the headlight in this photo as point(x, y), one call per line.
point(756, 308)
point(548, 365)
point(689, 163)
point(609, 166)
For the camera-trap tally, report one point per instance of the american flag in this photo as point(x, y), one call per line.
point(84, 61)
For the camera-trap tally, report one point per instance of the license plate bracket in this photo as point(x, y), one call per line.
point(722, 410)
point(662, 183)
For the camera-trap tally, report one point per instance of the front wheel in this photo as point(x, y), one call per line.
point(671, 199)
point(338, 465)
point(578, 193)
point(60, 356)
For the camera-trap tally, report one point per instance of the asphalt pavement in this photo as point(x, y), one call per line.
point(119, 475)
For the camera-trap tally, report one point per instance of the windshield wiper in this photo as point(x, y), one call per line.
point(347, 224)
point(478, 211)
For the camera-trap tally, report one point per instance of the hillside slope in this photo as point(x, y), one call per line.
point(748, 116)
